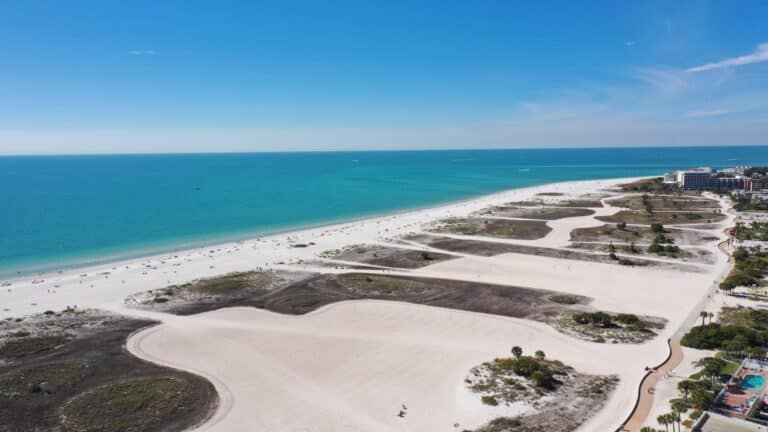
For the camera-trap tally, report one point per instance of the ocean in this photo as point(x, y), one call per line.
point(65, 211)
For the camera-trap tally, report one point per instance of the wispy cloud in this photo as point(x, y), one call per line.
point(663, 79)
point(708, 113)
point(629, 43)
point(149, 52)
point(758, 55)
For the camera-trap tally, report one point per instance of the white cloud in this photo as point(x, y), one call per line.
point(663, 79)
point(142, 52)
point(707, 113)
point(757, 56)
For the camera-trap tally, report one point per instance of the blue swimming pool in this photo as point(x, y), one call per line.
point(752, 382)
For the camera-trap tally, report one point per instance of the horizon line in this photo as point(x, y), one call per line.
point(3, 155)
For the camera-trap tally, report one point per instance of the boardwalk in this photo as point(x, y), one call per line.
point(640, 413)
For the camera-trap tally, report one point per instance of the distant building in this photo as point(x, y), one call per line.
point(730, 183)
point(696, 179)
point(758, 183)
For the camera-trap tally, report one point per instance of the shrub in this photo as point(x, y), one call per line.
point(657, 227)
point(717, 336)
point(489, 400)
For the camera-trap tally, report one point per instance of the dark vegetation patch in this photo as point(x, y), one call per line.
point(564, 398)
point(38, 391)
point(543, 213)
point(620, 233)
point(212, 293)
point(742, 331)
point(501, 228)
point(749, 270)
point(663, 202)
point(683, 217)
point(135, 404)
point(745, 204)
point(754, 231)
point(309, 292)
point(26, 346)
point(550, 194)
point(576, 202)
point(669, 251)
point(41, 379)
point(387, 256)
point(653, 184)
point(482, 248)
point(603, 327)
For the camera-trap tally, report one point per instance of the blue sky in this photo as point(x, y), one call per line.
point(108, 76)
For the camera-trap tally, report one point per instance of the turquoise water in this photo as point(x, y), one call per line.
point(59, 211)
point(752, 382)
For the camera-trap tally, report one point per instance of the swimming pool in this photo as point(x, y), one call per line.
point(752, 382)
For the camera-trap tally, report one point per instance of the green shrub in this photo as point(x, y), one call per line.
point(489, 400)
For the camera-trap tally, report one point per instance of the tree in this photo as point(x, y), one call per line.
point(664, 421)
point(540, 354)
point(517, 351)
point(621, 225)
point(703, 314)
point(543, 378)
point(711, 367)
point(711, 315)
point(657, 227)
point(678, 407)
point(702, 399)
point(685, 387)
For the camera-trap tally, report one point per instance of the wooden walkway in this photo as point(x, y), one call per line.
point(645, 398)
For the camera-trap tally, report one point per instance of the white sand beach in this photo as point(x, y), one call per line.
point(351, 365)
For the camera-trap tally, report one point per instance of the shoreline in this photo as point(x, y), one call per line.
point(102, 262)
point(104, 258)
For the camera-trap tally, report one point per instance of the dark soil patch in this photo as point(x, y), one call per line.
point(694, 255)
point(664, 202)
point(481, 248)
point(666, 218)
point(20, 348)
point(543, 213)
point(207, 294)
point(589, 203)
point(310, 293)
point(35, 390)
point(501, 228)
point(637, 234)
point(388, 256)
point(135, 404)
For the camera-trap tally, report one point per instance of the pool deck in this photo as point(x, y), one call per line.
point(737, 398)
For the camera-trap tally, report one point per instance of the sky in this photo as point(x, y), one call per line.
point(187, 76)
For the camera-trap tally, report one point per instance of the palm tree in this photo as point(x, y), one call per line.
point(711, 315)
point(662, 419)
point(517, 351)
point(703, 315)
point(540, 354)
point(671, 417)
point(678, 407)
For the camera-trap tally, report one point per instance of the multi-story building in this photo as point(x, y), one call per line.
point(698, 179)
point(730, 183)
